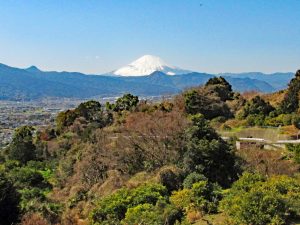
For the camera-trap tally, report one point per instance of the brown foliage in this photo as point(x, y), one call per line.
point(153, 137)
point(275, 98)
point(251, 94)
point(34, 219)
point(268, 162)
point(194, 216)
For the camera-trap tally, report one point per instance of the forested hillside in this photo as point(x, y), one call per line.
point(138, 162)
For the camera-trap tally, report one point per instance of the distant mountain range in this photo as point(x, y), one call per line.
point(32, 83)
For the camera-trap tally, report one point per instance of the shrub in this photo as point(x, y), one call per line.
point(193, 178)
point(254, 200)
point(203, 197)
point(296, 121)
point(295, 149)
point(181, 199)
point(170, 180)
point(206, 196)
point(143, 214)
point(112, 209)
point(25, 177)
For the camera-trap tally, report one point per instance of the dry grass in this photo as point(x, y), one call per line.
point(34, 219)
point(272, 134)
point(251, 94)
point(289, 130)
point(274, 98)
point(216, 219)
point(268, 162)
point(194, 216)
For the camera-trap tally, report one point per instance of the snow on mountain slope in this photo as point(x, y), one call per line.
point(146, 65)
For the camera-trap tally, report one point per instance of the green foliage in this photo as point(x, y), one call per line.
point(295, 149)
point(170, 180)
point(144, 215)
point(112, 209)
point(25, 177)
point(257, 106)
point(296, 121)
point(65, 119)
point(201, 102)
point(255, 200)
point(290, 103)
point(90, 110)
point(203, 196)
point(220, 87)
point(193, 178)
point(31, 182)
point(255, 120)
point(206, 196)
point(31, 199)
point(127, 102)
point(182, 198)
point(22, 147)
point(206, 153)
point(280, 120)
point(9, 200)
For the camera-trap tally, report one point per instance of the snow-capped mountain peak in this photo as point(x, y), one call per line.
point(146, 65)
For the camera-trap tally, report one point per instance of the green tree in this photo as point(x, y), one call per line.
point(90, 110)
point(290, 103)
point(295, 149)
point(144, 215)
point(201, 101)
point(259, 201)
point(220, 87)
point(65, 119)
point(193, 178)
point(172, 181)
point(112, 209)
point(257, 106)
point(208, 154)
point(22, 147)
point(296, 121)
point(202, 196)
point(9, 200)
point(126, 102)
point(25, 177)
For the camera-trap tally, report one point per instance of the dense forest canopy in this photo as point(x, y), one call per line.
point(139, 162)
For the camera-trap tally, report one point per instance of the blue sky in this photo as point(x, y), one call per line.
point(97, 36)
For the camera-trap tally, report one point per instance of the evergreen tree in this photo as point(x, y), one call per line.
point(290, 102)
point(22, 147)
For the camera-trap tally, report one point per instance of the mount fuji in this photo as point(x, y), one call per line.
point(146, 65)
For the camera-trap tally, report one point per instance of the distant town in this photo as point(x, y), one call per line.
point(38, 114)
